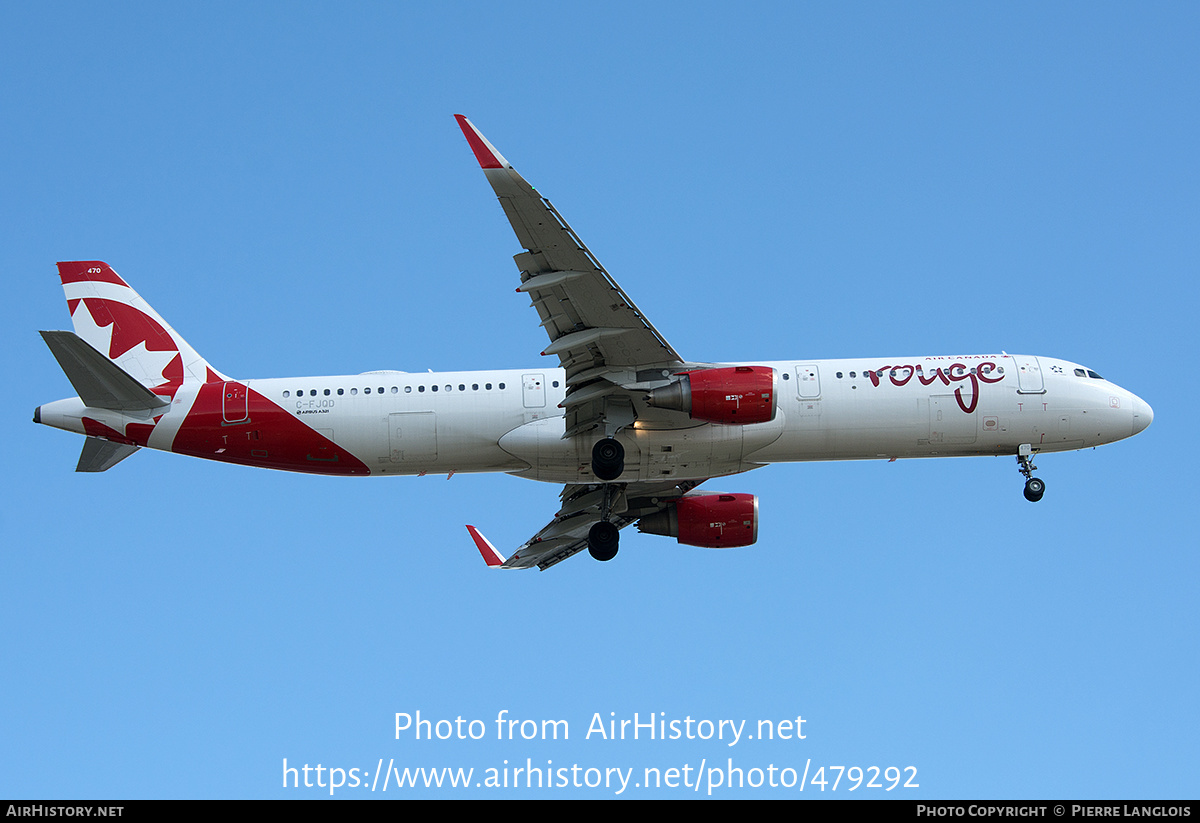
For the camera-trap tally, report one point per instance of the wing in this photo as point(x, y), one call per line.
point(567, 533)
point(611, 353)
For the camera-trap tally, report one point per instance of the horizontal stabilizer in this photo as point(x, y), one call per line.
point(100, 455)
point(100, 382)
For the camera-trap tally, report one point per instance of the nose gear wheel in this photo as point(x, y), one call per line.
point(1034, 487)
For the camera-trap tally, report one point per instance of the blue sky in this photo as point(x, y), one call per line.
point(285, 183)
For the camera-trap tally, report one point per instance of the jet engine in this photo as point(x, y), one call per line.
point(713, 521)
point(734, 394)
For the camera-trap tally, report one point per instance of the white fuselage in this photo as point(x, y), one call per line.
point(509, 421)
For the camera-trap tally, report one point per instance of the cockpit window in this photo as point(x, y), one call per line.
point(1080, 373)
point(1093, 374)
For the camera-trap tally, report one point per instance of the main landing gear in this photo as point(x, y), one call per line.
point(602, 540)
point(608, 461)
point(1034, 486)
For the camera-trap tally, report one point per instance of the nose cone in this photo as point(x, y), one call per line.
point(1142, 414)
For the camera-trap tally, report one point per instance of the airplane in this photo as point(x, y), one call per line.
point(625, 423)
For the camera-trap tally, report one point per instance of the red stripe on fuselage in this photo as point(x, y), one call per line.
point(270, 437)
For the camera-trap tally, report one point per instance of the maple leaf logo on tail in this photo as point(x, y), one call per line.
point(118, 323)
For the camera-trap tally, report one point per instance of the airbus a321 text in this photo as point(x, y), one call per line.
point(625, 423)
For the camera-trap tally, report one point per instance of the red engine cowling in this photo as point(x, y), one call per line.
point(714, 521)
point(735, 394)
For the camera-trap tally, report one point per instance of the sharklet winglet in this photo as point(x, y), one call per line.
point(485, 152)
point(490, 556)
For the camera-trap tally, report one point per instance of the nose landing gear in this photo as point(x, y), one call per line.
point(1034, 487)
